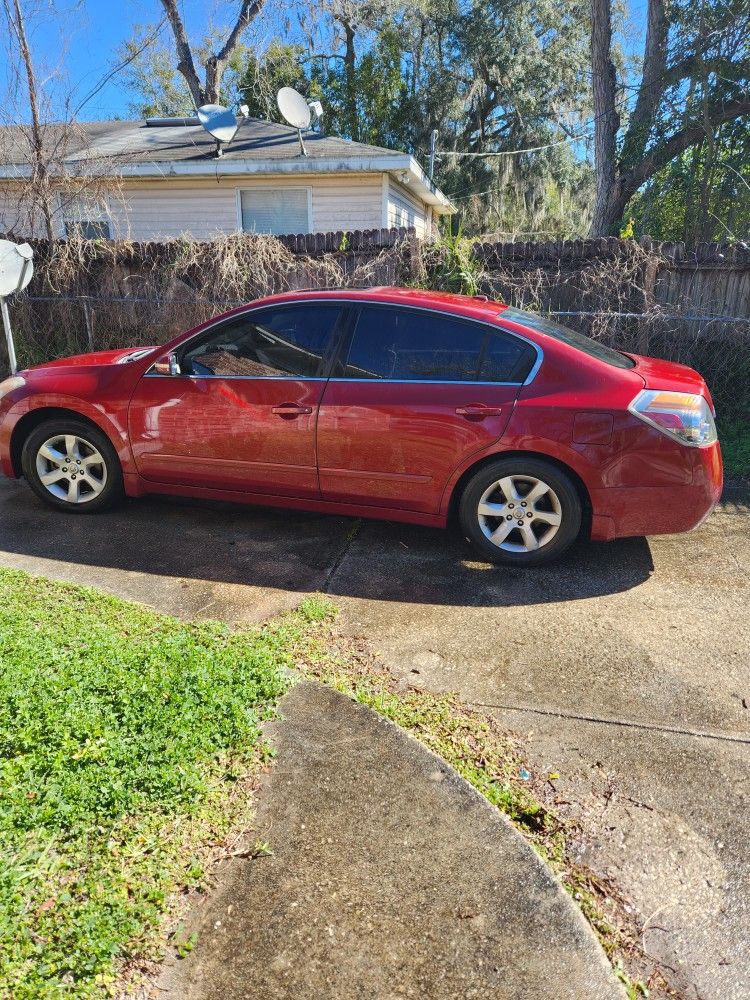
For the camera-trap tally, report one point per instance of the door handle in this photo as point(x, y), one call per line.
point(477, 411)
point(290, 410)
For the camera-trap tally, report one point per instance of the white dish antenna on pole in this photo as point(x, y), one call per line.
point(296, 111)
point(16, 269)
point(219, 122)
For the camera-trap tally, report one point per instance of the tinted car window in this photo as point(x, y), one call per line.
point(506, 359)
point(285, 341)
point(593, 348)
point(414, 346)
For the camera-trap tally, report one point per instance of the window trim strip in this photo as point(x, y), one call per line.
point(352, 303)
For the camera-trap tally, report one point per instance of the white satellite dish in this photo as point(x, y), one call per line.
point(294, 108)
point(219, 122)
point(16, 269)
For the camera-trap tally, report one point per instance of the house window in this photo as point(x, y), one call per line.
point(279, 211)
point(86, 217)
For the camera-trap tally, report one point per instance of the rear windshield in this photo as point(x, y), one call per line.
point(580, 341)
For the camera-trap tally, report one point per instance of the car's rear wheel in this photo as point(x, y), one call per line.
point(72, 466)
point(520, 511)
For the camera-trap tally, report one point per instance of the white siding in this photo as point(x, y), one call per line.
point(405, 209)
point(203, 208)
point(163, 210)
point(167, 209)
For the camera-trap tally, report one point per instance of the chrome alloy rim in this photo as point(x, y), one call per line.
point(71, 469)
point(519, 513)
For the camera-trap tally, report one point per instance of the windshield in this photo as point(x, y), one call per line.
point(580, 341)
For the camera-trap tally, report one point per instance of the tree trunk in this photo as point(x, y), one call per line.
point(39, 180)
point(608, 204)
point(350, 81)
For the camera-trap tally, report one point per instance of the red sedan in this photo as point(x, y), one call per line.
point(388, 403)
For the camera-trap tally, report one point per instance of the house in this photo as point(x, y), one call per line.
point(161, 178)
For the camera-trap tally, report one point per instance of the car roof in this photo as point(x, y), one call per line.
point(480, 306)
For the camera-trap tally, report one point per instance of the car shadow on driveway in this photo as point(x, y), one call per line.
point(240, 546)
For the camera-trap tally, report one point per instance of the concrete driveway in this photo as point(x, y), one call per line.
point(626, 668)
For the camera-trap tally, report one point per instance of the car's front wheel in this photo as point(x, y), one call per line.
point(72, 466)
point(520, 511)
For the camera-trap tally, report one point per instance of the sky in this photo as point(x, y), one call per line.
point(75, 47)
point(75, 44)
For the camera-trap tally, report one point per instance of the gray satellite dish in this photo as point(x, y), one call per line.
point(295, 110)
point(16, 269)
point(219, 122)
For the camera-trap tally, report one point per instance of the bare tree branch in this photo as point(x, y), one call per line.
point(216, 64)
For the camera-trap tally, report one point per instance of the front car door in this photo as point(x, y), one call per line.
point(415, 394)
point(241, 415)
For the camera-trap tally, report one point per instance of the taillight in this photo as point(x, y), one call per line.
point(682, 415)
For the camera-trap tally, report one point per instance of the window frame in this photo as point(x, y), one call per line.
point(342, 356)
point(350, 308)
point(340, 331)
point(63, 206)
point(275, 189)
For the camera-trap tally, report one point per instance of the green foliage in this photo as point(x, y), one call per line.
point(734, 437)
point(450, 266)
point(125, 737)
point(265, 74)
point(704, 194)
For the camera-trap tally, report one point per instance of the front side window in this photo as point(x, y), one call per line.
point(270, 343)
point(406, 345)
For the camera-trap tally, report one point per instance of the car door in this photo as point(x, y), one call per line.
point(241, 414)
point(414, 395)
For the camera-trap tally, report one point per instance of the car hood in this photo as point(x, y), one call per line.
point(97, 358)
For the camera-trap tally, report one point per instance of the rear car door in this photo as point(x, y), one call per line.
point(241, 414)
point(414, 393)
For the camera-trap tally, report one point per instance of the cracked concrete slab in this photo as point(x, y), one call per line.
point(390, 877)
point(650, 633)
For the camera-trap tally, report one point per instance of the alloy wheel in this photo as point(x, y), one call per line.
point(71, 468)
point(519, 513)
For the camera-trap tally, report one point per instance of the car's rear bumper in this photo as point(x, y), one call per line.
point(622, 511)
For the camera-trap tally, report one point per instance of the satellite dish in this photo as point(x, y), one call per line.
point(16, 267)
point(218, 122)
point(293, 107)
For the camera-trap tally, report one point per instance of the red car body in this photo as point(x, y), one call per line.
point(396, 450)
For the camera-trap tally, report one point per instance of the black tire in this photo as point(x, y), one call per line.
point(104, 476)
point(522, 476)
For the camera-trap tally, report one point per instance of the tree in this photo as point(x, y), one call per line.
point(214, 63)
point(694, 79)
point(39, 182)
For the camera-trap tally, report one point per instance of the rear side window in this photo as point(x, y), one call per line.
point(580, 341)
point(506, 359)
point(414, 346)
point(270, 343)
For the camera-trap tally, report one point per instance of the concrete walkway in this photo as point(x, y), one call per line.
point(390, 877)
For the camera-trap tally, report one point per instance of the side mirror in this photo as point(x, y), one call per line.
point(168, 365)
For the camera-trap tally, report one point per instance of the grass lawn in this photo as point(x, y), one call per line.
point(123, 734)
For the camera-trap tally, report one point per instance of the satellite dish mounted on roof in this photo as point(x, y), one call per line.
point(16, 269)
point(295, 110)
point(219, 122)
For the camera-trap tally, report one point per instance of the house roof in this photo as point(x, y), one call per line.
point(158, 149)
